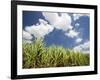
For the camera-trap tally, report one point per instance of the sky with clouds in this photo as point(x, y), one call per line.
point(70, 30)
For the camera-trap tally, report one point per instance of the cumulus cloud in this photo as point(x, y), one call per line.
point(76, 16)
point(27, 36)
point(85, 47)
point(62, 21)
point(40, 30)
point(72, 33)
point(77, 24)
point(78, 40)
point(43, 21)
point(54, 20)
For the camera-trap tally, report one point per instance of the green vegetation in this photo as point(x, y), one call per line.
point(37, 55)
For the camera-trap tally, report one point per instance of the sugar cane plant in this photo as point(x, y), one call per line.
point(37, 55)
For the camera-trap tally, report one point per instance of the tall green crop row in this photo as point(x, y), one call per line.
point(37, 55)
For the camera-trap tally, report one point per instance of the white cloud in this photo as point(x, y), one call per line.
point(27, 35)
point(40, 30)
point(54, 20)
point(83, 47)
point(78, 40)
point(50, 17)
point(43, 21)
point(62, 21)
point(72, 33)
point(77, 24)
point(76, 16)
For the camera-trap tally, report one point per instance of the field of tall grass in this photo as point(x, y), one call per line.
point(37, 55)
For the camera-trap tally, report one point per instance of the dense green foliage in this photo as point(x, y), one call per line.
point(37, 55)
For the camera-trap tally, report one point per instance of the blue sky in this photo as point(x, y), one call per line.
point(70, 30)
